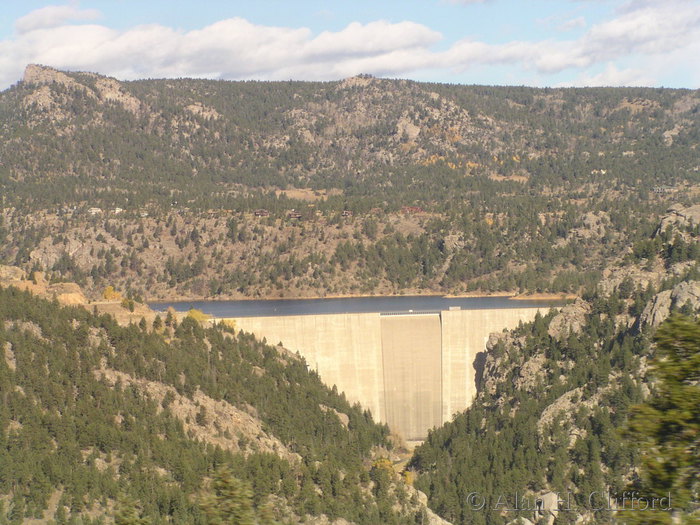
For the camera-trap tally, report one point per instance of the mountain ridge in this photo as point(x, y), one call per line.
point(217, 189)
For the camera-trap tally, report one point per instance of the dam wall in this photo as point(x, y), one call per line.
point(413, 371)
point(464, 335)
point(411, 350)
point(345, 349)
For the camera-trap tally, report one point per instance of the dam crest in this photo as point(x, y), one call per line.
point(411, 370)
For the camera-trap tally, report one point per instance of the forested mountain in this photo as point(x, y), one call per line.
point(101, 420)
point(64, 130)
point(360, 186)
point(98, 419)
point(551, 421)
point(368, 185)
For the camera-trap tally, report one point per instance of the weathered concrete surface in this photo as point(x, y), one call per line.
point(411, 371)
point(411, 350)
point(464, 335)
point(345, 349)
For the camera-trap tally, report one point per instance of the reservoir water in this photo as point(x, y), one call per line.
point(404, 303)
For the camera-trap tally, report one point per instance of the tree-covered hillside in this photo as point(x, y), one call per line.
point(87, 137)
point(93, 414)
point(198, 188)
point(552, 418)
point(362, 186)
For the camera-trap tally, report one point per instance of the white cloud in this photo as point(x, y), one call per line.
point(232, 49)
point(236, 48)
point(614, 77)
point(645, 32)
point(662, 28)
point(53, 16)
point(573, 23)
point(370, 39)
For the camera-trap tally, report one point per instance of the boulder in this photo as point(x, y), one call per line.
point(660, 306)
point(570, 319)
point(521, 521)
point(679, 216)
point(549, 507)
point(656, 310)
point(11, 273)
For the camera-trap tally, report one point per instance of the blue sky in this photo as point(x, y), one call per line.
point(512, 42)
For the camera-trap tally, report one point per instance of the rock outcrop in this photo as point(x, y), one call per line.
point(679, 216)
point(570, 319)
point(12, 273)
point(613, 278)
point(661, 305)
point(65, 293)
point(109, 89)
point(501, 348)
point(105, 88)
point(208, 420)
point(38, 74)
point(432, 518)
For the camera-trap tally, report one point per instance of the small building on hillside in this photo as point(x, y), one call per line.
point(662, 190)
point(261, 213)
point(412, 210)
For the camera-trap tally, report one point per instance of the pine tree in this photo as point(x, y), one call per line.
point(667, 426)
point(129, 512)
point(231, 501)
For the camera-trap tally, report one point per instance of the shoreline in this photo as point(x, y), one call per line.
point(329, 296)
point(545, 297)
point(512, 296)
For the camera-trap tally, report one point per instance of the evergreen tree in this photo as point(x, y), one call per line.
point(667, 426)
point(128, 512)
point(230, 502)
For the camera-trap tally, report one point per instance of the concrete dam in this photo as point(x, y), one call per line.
point(413, 371)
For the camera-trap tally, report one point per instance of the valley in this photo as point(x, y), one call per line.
point(120, 194)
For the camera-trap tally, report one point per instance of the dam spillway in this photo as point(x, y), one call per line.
point(412, 370)
point(412, 366)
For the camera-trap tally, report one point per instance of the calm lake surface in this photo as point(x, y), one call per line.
point(416, 303)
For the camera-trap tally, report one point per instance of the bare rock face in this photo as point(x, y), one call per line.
point(407, 128)
point(46, 253)
point(594, 225)
point(569, 320)
point(107, 89)
point(432, 518)
point(38, 74)
point(501, 349)
point(614, 277)
point(564, 405)
point(11, 273)
point(659, 308)
point(549, 507)
point(9, 355)
point(110, 89)
point(680, 217)
point(531, 373)
point(211, 421)
point(43, 97)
